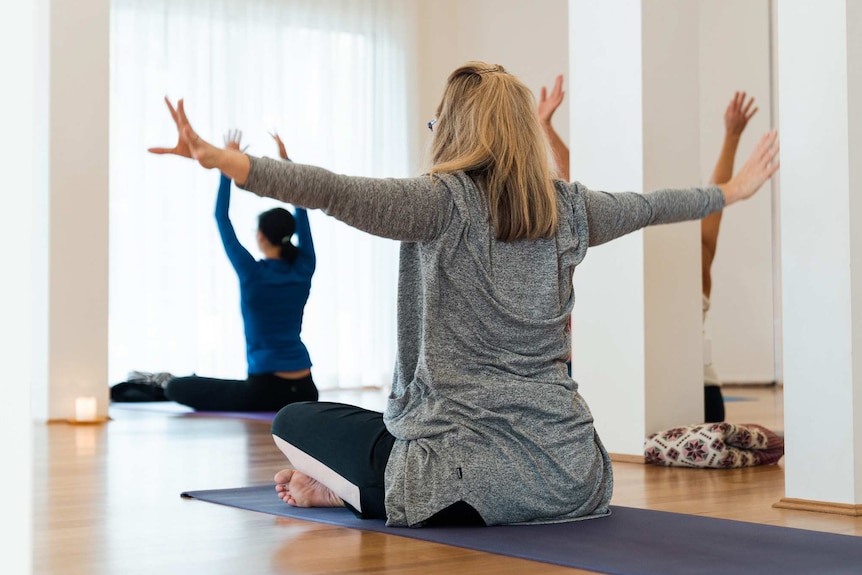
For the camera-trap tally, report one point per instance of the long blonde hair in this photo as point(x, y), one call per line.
point(488, 127)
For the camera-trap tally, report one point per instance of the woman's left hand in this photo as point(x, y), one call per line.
point(760, 166)
point(189, 144)
point(232, 141)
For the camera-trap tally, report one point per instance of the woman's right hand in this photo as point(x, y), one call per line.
point(282, 151)
point(548, 104)
point(189, 144)
point(738, 114)
point(760, 166)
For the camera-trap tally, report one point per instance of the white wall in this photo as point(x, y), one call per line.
point(22, 35)
point(529, 39)
point(735, 55)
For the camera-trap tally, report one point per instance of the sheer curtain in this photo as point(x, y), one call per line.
point(332, 78)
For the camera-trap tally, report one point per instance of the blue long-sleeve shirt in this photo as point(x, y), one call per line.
point(273, 294)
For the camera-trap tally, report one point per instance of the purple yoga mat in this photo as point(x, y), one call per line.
point(171, 408)
point(253, 415)
point(629, 542)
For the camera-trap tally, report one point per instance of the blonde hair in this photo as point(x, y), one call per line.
point(488, 127)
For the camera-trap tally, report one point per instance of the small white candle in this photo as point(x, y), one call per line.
point(85, 409)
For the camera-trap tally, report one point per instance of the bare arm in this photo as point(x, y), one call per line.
point(548, 104)
point(736, 117)
point(560, 151)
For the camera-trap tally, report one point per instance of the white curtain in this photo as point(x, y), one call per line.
point(332, 77)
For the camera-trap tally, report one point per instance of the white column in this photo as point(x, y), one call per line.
point(22, 38)
point(637, 345)
point(68, 240)
point(820, 122)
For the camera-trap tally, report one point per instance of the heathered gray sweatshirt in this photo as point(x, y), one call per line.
point(482, 408)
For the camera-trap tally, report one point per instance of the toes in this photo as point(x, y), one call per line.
point(284, 476)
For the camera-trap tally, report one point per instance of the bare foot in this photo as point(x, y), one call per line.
point(298, 489)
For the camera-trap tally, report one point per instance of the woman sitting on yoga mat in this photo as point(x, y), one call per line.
point(483, 425)
point(273, 293)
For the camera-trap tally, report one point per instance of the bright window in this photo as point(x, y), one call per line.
point(331, 78)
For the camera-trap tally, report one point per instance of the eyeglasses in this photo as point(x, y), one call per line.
point(431, 124)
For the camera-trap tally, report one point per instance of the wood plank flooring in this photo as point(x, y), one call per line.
point(106, 501)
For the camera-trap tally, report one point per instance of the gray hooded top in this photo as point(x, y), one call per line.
point(482, 408)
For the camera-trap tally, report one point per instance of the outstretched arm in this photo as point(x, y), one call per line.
point(411, 210)
point(407, 210)
point(548, 104)
point(736, 117)
point(610, 216)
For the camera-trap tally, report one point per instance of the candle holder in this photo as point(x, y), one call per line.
point(86, 410)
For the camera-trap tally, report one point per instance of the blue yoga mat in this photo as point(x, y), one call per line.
point(253, 415)
point(735, 398)
point(629, 542)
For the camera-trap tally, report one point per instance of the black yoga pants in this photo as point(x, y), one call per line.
point(354, 443)
point(260, 392)
point(713, 404)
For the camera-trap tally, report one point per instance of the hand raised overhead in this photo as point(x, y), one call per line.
point(738, 113)
point(232, 140)
point(548, 104)
point(282, 151)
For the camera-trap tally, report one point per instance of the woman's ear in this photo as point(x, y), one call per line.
point(261, 240)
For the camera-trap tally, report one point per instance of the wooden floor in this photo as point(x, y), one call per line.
point(106, 501)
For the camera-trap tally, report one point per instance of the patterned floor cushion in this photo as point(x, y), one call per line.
point(714, 445)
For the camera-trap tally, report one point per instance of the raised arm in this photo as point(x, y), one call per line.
point(241, 260)
point(736, 117)
point(548, 104)
point(303, 229)
point(415, 209)
point(305, 243)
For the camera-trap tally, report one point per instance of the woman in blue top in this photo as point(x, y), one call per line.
point(273, 293)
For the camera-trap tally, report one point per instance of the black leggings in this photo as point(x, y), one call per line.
point(713, 404)
point(260, 392)
point(355, 443)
